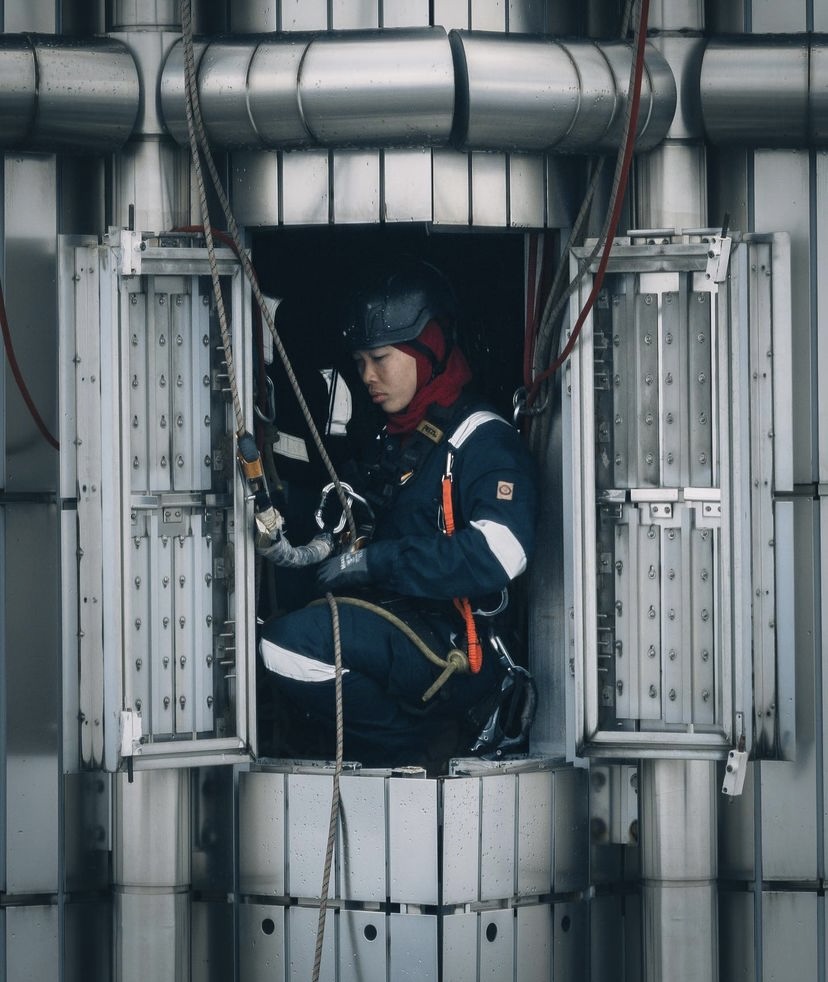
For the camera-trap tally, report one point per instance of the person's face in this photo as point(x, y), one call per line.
point(390, 376)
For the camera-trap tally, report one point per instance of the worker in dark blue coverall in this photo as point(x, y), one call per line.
point(400, 332)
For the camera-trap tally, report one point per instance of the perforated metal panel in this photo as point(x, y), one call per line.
point(163, 600)
point(678, 445)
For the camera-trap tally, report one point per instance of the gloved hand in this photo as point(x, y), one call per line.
point(344, 572)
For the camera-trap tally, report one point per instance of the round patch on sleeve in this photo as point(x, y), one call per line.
point(505, 490)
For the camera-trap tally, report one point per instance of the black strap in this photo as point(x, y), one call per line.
point(400, 464)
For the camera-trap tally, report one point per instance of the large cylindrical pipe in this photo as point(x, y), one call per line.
point(413, 87)
point(766, 90)
point(64, 96)
point(536, 93)
point(392, 88)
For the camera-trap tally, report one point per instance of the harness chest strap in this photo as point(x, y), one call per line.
point(474, 648)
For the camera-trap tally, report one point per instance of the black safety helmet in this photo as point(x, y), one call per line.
point(395, 304)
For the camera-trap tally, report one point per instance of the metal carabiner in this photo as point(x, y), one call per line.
point(271, 403)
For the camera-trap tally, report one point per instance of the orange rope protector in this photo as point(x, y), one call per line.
point(473, 646)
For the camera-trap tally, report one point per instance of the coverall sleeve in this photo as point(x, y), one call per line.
point(495, 503)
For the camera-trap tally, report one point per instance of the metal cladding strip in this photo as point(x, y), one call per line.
point(769, 90)
point(418, 87)
point(66, 96)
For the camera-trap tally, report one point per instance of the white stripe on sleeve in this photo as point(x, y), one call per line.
point(504, 545)
point(293, 665)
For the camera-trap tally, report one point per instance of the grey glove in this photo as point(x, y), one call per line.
point(274, 546)
point(345, 572)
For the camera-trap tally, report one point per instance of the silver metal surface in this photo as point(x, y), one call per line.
point(63, 96)
point(213, 941)
point(29, 799)
point(31, 946)
point(262, 818)
point(570, 938)
point(533, 943)
point(497, 836)
point(535, 816)
point(685, 451)
point(301, 929)
point(412, 842)
point(496, 940)
point(760, 90)
point(151, 936)
point(309, 808)
point(362, 860)
point(460, 947)
point(363, 946)
point(791, 927)
point(151, 830)
point(681, 932)
point(291, 92)
point(413, 947)
point(150, 417)
point(262, 943)
point(571, 829)
point(539, 94)
point(460, 874)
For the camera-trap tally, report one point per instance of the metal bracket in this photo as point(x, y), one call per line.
point(130, 732)
point(718, 258)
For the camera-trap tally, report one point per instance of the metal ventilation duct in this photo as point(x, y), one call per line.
point(417, 87)
point(66, 96)
point(769, 91)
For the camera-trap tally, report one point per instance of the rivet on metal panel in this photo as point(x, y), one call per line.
point(705, 614)
point(618, 419)
point(137, 623)
point(651, 651)
point(671, 614)
point(206, 420)
point(672, 695)
point(670, 458)
point(162, 339)
point(135, 463)
point(702, 378)
point(671, 574)
point(653, 692)
point(704, 575)
point(648, 419)
point(671, 654)
point(705, 694)
point(703, 418)
point(649, 458)
point(651, 612)
point(163, 422)
point(702, 458)
point(179, 340)
point(619, 685)
point(668, 338)
point(182, 701)
point(619, 648)
point(671, 534)
point(165, 661)
point(705, 654)
point(133, 299)
point(162, 300)
point(669, 417)
point(179, 460)
point(619, 566)
point(205, 341)
point(166, 702)
point(165, 580)
point(619, 607)
point(134, 381)
point(138, 664)
point(138, 705)
point(700, 338)
point(648, 339)
point(651, 572)
point(205, 380)
point(179, 420)
point(650, 532)
point(668, 378)
point(648, 379)
point(648, 299)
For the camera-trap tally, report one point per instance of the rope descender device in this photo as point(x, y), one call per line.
point(473, 645)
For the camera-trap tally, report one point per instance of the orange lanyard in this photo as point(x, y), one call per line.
point(473, 646)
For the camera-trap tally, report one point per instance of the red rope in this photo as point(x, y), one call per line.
point(616, 211)
point(18, 376)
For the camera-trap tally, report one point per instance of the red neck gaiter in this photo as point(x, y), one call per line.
point(443, 389)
